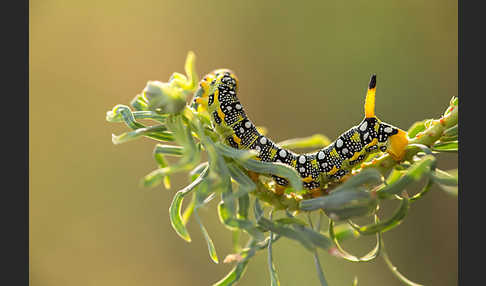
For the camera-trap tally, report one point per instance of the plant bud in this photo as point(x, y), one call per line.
point(164, 98)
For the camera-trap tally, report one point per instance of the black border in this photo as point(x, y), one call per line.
point(15, 132)
point(471, 81)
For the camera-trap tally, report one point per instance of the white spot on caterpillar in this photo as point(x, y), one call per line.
point(258, 149)
point(388, 130)
point(363, 126)
point(229, 107)
point(339, 143)
point(248, 124)
point(282, 153)
point(345, 150)
point(302, 169)
point(365, 136)
point(242, 130)
point(302, 159)
point(263, 140)
point(238, 106)
point(324, 165)
point(321, 155)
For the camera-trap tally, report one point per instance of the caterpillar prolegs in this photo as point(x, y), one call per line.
point(217, 94)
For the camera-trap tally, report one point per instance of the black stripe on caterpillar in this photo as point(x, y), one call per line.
point(217, 95)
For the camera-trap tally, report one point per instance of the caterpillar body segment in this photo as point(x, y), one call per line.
point(217, 95)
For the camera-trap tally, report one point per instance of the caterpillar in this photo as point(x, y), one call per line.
point(217, 95)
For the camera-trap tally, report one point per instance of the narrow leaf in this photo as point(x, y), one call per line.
point(452, 146)
point(412, 174)
point(278, 169)
point(346, 255)
point(343, 204)
point(386, 225)
point(237, 272)
point(287, 232)
point(209, 241)
point(314, 141)
point(453, 131)
point(169, 150)
point(320, 273)
point(393, 268)
point(176, 218)
point(446, 181)
point(367, 176)
point(273, 274)
point(417, 127)
point(175, 208)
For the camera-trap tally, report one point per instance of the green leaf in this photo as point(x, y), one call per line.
point(209, 241)
point(257, 209)
point(122, 113)
point(189, 152)
point(162, 162)
point(273, 274)
point(314, 141)
point(234, 153)
point(344, 231)
point(290, 220)
point(235, 238)
point(237, 224)
point(203, 194)
point(394, 176)
point(245, 184)
point(313, 236)
point(367, 176)
point(424, 190)
point(346, 255)
point(228, 196)
point(156, 132)
point(243, 206)
point(453, 131)
point(386, 225)
point(452, 146)
point(419, 147)
point(168, 150)
point(412, 174)
point(176, 218)
point(237, 272)
point(278, 169)
point(343, 204)
point(320, 273)
point(175, 208)
point(393, 268)
point(189, 209)
point(139, 102)
point(446, 181)
point(416, 128)
point(194, 173)
point(287, 232)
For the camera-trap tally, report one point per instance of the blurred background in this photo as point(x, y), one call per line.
point(303, 69)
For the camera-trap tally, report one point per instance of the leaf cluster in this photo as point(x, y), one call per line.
point(248, 204)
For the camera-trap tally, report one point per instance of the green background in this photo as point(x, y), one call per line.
point(303, 68)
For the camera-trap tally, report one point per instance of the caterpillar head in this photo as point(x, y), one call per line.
point(396, 144)
point(224, 76)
